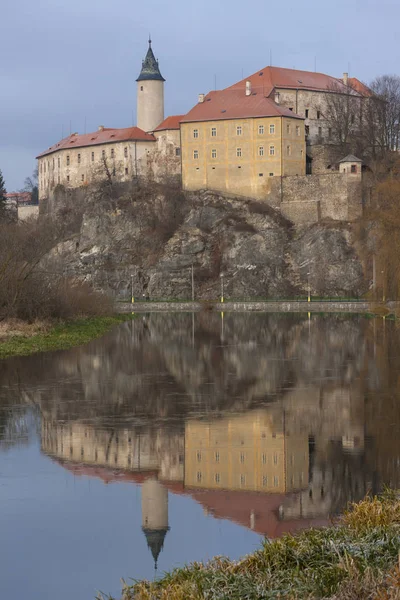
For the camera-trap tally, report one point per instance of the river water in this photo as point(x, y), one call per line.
point(179, 437)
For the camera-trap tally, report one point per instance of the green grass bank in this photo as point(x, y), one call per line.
point(60, 336)
point(356, 559)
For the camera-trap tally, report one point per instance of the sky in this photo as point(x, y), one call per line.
point(67, 64)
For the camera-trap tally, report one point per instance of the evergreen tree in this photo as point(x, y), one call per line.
point(3, 198)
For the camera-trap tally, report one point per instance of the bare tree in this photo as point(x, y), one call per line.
point(386, 90)
point(342, 112)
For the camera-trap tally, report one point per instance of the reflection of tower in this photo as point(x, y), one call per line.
point(154, 515)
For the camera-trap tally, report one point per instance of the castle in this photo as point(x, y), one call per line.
point(264, 137)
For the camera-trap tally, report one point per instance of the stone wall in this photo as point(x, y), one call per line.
point(309, 199)
point(26, 212)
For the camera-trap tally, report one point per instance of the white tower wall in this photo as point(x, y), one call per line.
point(150, 104)
point(154, 505)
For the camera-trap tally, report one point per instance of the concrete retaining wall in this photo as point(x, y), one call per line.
point(271, 307)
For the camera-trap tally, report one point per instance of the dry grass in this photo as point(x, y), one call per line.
point(358, 559)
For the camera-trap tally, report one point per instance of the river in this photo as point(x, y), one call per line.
point(178, 437)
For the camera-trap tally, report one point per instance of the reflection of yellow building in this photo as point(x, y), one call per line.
point(246, 452)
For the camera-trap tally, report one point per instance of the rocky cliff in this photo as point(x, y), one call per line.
point(152, 237)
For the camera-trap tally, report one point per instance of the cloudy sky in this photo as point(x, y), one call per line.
point(66, 63)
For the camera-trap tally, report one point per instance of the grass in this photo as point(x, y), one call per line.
point(60, 337)
point(357, 559)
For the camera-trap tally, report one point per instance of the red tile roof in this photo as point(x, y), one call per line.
point(359, 86)
point(20, 197)
point(172, 122)
point(105, 136)
point(277, 77)
point(234, 104)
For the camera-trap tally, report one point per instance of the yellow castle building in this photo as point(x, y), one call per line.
point(238, 140)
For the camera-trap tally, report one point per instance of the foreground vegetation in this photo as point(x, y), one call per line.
point(60, 337)
point(358, 559)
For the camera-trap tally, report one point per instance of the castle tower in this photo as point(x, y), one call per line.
point(150, 93)
point(154, 515)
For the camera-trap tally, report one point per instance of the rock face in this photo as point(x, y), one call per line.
point(150, 242)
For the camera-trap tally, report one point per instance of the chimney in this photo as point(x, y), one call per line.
point(277, 97)
point(201, 98)
point(345, 78)
point(100, 128)
point(248, 88)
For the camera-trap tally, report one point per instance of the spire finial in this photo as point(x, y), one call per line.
point(150, 40)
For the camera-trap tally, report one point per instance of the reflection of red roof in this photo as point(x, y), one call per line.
point(172, 122)
point(105, 136)
point(234, 104)
point(234, 506)
point(105, 474)
point(237, 507)
point(276, 77)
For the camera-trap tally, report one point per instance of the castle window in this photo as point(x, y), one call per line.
point(58, 162)
point(291, 108)
point(271, 174)
point(264, 480)
point(238, 130)
point(126, 152)
point(195, 133)
point(272, 129)
point(195, 154)
point(297, 131)
point(238, 152)
point(276, 481)
point(67, 161)
point(41, 167)
point(261, 129)
point(318, 114)
point(177, 151)
point(198, 475)
point(92, 156)
point(112, 152)
point(103, 153)
point(242, 457)
point(242, 479)
point(141, 88)
point(352, 119)
point(45, 166)
point(261, 174)
point(79, 158)
point(67, 178)
point(353, 169)
point(288, 128)
point(53, 164)
point(217, 478)
point(261, 151)
point(83, 178)
point(217, 457)
point(213, 132)
point(264, 459)
point(275, 459)
point(213, 153)
point(198, 455)
point(307, 113)
point(126, 171)
point(289, 150)
point(272, 150)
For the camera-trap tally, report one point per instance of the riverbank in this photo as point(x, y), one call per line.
point(358, 558)
point(23, 340)
point(301, 306)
